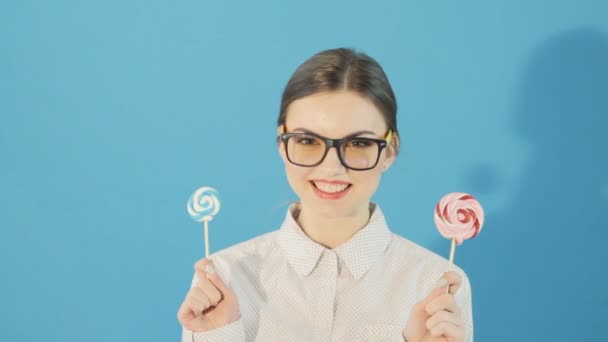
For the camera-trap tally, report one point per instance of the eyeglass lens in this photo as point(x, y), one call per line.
point(309, 150)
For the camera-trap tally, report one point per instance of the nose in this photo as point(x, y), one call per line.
point(332, 161)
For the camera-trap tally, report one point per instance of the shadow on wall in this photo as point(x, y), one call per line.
point(539, 269)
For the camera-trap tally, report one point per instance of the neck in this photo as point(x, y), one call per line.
point(332, 231)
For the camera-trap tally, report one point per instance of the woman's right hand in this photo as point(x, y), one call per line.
point(209, 304)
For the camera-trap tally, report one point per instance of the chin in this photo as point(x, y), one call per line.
point(331, 209)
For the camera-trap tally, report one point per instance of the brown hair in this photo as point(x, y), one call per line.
point(342, 69)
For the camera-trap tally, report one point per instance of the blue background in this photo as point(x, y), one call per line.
point(112, 113)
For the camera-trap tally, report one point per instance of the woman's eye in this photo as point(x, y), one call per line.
point(360, 143)
point(306, 140)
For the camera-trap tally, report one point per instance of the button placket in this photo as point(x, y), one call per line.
point(327, 293)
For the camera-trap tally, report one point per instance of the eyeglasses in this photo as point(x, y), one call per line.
point(355, 153)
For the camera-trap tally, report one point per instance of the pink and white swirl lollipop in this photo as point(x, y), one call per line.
point(459, 217)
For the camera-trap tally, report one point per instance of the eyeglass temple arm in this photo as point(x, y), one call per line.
point(389, 136)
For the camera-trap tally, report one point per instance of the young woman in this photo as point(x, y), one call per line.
point(333, 271)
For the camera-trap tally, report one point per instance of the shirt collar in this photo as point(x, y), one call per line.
point(359, 253)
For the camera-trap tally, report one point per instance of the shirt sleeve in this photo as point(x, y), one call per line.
point(232, 332)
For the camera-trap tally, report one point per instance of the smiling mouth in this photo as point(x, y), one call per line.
point(331, 188)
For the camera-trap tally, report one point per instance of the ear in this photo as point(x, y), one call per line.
point(281, 149)
point(391, 153)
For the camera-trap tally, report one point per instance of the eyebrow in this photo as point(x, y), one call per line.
point(357, 133)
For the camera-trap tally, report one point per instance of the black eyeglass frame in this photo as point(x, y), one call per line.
point(337, 143)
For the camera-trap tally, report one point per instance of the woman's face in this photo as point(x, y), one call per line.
point(336, 115)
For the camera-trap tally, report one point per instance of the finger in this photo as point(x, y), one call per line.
point(443, 316)
point(208, 288)
point(204, 266)
point(185, 313)
point(210, 291)
point(454, 281)
point(215, 279)
point(443, 302)
point(197, 300)
point(421, 306)
point(205, 269)
point(449, 330)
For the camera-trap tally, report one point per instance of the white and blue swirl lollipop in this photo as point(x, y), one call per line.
point(202, 206)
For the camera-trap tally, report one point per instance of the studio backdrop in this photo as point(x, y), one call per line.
point(113, 112)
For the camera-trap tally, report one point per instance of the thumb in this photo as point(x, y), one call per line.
point(420, 307)
point(434, 294)
point(439, 289)
point(215, 279)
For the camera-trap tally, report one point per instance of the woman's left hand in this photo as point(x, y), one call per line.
point(437, 317)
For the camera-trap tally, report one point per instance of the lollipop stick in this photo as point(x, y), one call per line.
point(451, 264)
point(452, 250)
point(206, 238)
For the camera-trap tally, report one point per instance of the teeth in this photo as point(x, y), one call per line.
point(331, 188)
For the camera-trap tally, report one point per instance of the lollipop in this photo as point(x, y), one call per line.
point(202, 206)
point(459, 217)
